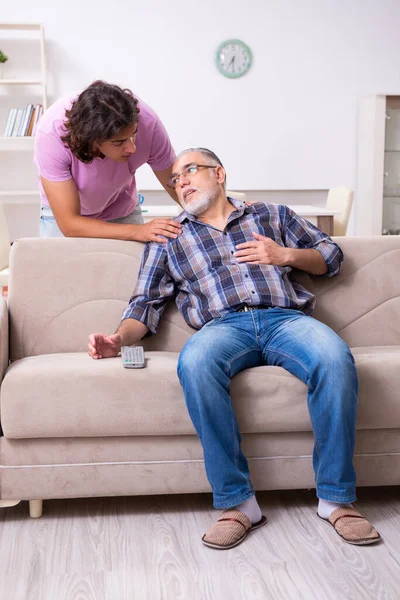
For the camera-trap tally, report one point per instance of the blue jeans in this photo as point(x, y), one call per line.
point(303, 346)
point(49, 227)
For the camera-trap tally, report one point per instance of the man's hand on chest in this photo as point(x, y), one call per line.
point(263, 250)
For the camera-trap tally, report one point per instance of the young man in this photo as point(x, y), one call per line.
point(229, 270)
point(88, 147)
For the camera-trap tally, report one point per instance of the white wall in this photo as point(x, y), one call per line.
point(290, 123)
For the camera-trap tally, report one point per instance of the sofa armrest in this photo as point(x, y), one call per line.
point(3, 337)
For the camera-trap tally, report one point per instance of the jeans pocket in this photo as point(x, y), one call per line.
point(217, 320)
point(212, 322)
point(296, 311)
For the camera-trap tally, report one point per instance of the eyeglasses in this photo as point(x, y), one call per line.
point(188, 170)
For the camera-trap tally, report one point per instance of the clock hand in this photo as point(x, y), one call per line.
point(232, 63)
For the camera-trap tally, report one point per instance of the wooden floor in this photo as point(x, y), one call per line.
point(141, 548)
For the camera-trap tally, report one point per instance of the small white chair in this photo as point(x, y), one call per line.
point(237, 195)
point(340, 198)
point(4, 248)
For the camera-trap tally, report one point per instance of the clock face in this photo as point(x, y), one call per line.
point(233, 58)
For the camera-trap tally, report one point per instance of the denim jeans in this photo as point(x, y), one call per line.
point(303, 346)
point(49, 227)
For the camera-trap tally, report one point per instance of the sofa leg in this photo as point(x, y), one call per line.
point(7, 503)
point(35, 508)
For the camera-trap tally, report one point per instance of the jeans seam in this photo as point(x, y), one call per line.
point(256, 329)
point(290, 356)
point(235, 437)
point(316, 442)
point(243, 353)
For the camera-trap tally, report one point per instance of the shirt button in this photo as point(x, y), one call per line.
point(225, 233)
point(253, 292)
point(246, 275)
point(231, 251)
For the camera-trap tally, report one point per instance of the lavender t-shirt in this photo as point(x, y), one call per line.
point(107, 188)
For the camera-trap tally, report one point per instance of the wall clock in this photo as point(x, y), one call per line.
point(233, 58)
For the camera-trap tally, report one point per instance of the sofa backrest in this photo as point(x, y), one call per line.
point(61, 290)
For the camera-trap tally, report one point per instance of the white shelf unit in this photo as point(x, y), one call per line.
point(21, 81)
point(378, 168)
point(24, 144)
point(17, 25)
point(19, 193)
point(19, 197)
point(17, 143)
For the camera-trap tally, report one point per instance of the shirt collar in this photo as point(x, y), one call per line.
point(241, 207)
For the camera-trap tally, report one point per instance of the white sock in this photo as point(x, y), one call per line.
point(251, 509)
point(326, 508)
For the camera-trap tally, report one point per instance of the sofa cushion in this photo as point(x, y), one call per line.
point(378, 369)
point(87, 286)
point(71, 395)
point(88, 283)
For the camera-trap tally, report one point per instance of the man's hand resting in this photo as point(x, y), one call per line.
point(151, 231)
point(262, 251)
point(104, 346)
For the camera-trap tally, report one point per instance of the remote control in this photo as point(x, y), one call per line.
point(132, 357)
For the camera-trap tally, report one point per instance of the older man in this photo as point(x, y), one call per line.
point(229, 270)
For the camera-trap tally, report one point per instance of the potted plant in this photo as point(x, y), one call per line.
point(3, 59)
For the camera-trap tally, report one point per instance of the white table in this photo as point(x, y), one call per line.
point(319, 215)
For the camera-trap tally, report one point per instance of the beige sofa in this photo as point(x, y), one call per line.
point(76, 427)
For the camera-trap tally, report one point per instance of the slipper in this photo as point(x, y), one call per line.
point(230, 530)
point(352, 527)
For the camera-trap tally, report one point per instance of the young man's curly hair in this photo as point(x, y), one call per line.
point(99, 113)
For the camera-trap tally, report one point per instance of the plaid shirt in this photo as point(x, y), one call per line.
point(200, 270)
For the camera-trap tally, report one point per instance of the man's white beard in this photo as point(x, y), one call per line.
point(200, 204)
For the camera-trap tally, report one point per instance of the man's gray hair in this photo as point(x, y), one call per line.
point(208, 154)
point(205, 152)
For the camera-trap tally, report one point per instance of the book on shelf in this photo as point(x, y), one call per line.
point(26, 120)
point(21, 122)
point(10, 121)
point(32, 121)
point(18, 120)
point(38, 113)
